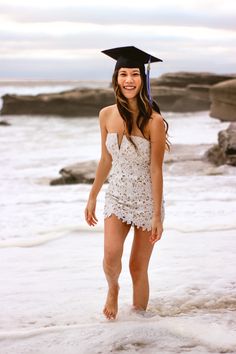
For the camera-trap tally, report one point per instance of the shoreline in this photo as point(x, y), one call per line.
point(174, 92)
point(184, 303)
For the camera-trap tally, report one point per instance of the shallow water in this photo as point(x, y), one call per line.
point(33, 150)
point(53, 296)
point(53, 288)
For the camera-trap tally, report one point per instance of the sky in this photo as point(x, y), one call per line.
point(63, 39)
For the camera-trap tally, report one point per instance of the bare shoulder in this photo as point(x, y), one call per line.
point(105, 113)
point(156, 119)
point(107, 110)
point(156, 124)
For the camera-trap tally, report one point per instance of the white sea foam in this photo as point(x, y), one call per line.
point(192, 299)
point(53, 287)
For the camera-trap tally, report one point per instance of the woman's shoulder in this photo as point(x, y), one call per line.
point(105, 115)
point(105, 111)
point(156, 116)
point(155, 120)
point(155, 125)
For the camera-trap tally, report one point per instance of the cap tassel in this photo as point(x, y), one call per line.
point(148, 81)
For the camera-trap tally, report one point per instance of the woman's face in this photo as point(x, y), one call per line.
point(129, 81)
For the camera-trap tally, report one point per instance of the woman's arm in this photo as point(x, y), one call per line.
point(158, 141)
point(102, 171)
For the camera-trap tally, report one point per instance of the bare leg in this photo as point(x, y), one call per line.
point(115, 232)
point(139, 261)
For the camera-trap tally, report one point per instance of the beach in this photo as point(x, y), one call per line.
point(53, 287)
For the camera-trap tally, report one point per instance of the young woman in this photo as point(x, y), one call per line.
point(133, 139)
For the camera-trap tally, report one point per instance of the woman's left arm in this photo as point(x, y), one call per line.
point(158, 143)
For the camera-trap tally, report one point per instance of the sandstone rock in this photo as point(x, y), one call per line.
point(176, 92)
point(185, 160)
point(190, 104)
point(200, 92)
point(223, 97)
point(167, 96)
point(73, 103)
point(183, 79)
point(81, 172)
point(185, 91)
point(225, 151)
point(4, 123)
point(189, 99)
point(216, 155)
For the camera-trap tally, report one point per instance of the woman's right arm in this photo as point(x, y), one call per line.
point(102, 171)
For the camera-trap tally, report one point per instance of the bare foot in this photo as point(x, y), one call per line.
point(138, 310)
point(111, 307)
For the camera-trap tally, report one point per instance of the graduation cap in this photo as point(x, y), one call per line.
point(132, 57)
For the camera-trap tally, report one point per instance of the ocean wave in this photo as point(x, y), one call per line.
point(42, 237)
point(192, 319)
point(30, 332)
point(194, 300)
point(207, 228)
point(139, 335)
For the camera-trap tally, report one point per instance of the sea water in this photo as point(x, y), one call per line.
point(52, 285)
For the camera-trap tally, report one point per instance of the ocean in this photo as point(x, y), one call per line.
point(52, 285)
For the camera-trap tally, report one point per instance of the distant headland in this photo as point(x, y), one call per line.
point(174, 92)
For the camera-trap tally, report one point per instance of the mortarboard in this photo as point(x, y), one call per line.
point(132, 57)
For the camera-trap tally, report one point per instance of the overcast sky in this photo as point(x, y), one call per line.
point(63, 39)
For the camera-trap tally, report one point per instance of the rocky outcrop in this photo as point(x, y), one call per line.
point(4, 123)
point(185, 91)
point(223, 97)
point(190, 99)
point(175, 92)
point(82, 172)
point(184, 79)
point(182, 160)
point(225, 151)
point(73, 103)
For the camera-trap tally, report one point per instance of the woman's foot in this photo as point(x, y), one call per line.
point(138, 310)
point(111, 307)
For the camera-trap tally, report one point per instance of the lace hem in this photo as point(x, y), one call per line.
point(127, 221)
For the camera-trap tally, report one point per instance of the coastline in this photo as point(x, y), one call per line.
point(184, 305)
point(54, 288)
point(174, 92)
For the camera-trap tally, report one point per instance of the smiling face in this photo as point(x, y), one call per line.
point(129, 81)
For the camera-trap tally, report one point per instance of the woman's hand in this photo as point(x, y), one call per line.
point(157, 229)
point(89, 212)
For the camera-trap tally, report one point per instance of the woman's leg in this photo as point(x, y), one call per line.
point(115, 232)
point(139, 260)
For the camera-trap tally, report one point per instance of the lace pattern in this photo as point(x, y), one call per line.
point(129, 194)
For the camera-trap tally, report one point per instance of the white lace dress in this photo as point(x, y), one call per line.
point(129, 193)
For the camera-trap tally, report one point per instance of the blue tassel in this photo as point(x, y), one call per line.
point(148, 81)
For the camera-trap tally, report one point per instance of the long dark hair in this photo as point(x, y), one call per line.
point(145, 108)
